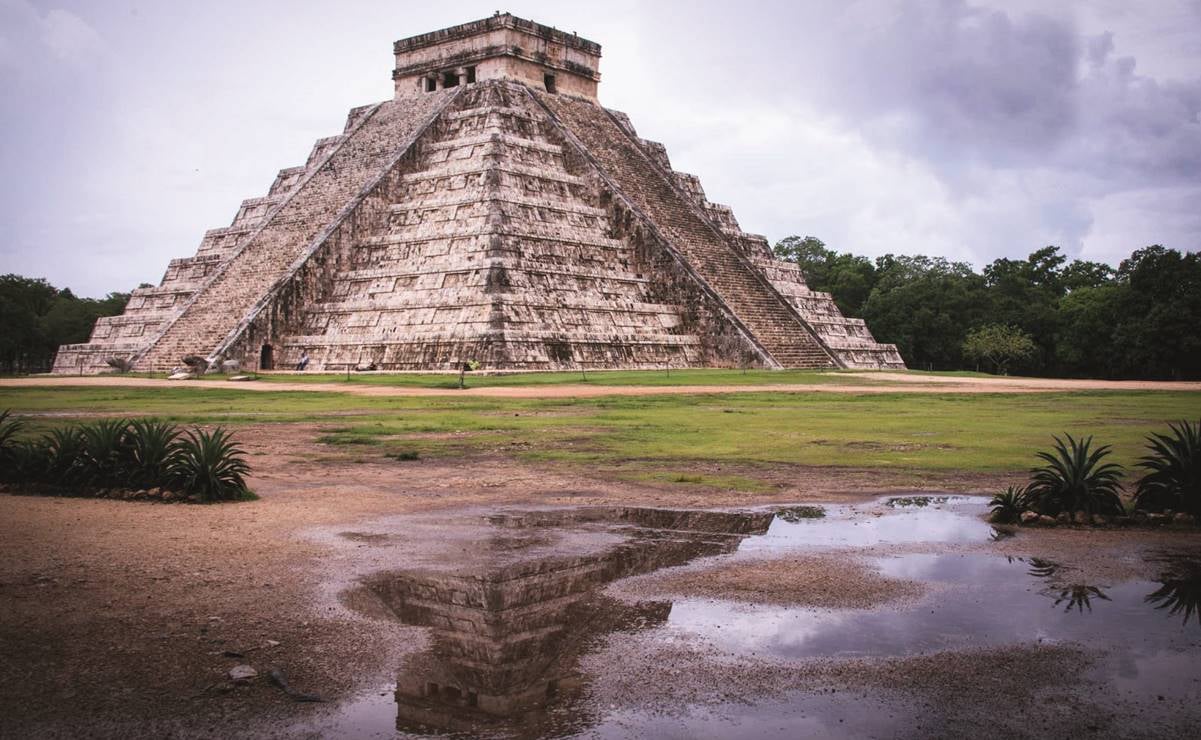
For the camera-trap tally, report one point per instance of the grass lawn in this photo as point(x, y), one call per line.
point(894, 431)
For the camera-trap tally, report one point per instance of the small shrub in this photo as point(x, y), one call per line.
point(1075, 478)
point(105, 453)
point(1007, 506)
point(404, 455)
point(65, 456)
point(9, 429)
point(210, 465)
point(151, 448)
point(27, 462)
point(1173, 479)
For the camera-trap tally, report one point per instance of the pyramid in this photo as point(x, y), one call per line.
point(493, 211)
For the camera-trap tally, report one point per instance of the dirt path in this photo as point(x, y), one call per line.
point(878, 383)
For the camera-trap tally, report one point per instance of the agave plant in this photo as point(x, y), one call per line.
point(1076, 478)
point(1173, 479)
point(26, 462)
point(1008, 505)
point(9, 429)
point(210, 465)
point(65, 456)
point(105, 456)
point(151, 449)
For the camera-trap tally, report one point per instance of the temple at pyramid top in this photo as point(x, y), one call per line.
point(491, 211)
point(503, 47)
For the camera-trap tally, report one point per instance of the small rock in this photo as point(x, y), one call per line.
point(194, 498)
point(1100, 520)
point(1183, 519)
point(1047, 521)
point(1081, 517)
point(1064, 518)
point(272, 643)
point(1157, 518)
point(242, 673)
point(1030, 517)
point(179, 376)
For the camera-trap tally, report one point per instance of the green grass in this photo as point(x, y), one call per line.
point(665, 434)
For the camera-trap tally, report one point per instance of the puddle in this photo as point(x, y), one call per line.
point(512, 600)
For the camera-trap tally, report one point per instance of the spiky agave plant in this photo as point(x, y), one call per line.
point(210, 465)
point(150, 446)
point(65, 456)
point(26, 462)
point(1008, 505)
point(106, 452)
point(1076, 478)
point(9, 429)
point(1173, 478)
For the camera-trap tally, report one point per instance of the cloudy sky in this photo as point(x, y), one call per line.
point(973, 129)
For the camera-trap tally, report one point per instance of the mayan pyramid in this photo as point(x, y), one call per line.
point(492, 211)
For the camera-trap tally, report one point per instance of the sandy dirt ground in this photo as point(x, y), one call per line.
point(123, 618)
point(117, 615)
point(877, 382)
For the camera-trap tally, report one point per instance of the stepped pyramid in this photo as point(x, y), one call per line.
point(492, 211)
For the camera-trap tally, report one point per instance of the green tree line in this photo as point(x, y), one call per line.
point(36, 317)
point(1043, 315)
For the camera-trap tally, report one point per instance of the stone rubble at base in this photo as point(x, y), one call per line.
point(492, 212)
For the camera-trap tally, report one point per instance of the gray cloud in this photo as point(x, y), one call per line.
point(970, 129)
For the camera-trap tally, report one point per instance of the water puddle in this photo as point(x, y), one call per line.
point(513, 600)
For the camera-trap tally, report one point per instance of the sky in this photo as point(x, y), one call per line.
point(970, 129)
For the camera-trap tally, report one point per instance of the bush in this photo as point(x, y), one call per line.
point(1173, 479)
point(64, 449)
point(105, 457)
point(1075, 478)
point(144, 453)
point(9, 429)
point(1008, 505)
point(151, 446)
point(210, 465)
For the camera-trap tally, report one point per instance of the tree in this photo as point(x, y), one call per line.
point(999, 344)
point(36, 318)
point(847, 277)
point(924, 305)
point(1156, 332)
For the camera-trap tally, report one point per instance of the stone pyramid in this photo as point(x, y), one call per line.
point(492, 211)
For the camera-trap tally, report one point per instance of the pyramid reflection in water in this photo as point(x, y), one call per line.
point(507, 634)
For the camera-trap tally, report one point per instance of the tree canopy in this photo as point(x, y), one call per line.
point(36, 317)
point(1084, 318)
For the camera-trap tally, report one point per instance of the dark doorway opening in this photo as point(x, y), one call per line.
point(450, 79)
point(470, 75)
point(549, 81)
point(267, 358)
point(431, 84)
